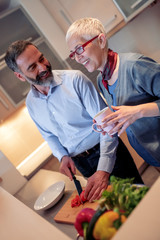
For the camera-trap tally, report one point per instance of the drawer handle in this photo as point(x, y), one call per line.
point(135, 4)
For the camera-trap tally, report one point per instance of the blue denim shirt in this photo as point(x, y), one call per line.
point(138, 83)
point(132, 139)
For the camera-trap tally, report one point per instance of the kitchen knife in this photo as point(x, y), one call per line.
point(77, 184)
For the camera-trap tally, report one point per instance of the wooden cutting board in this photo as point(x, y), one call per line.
point(67, 214)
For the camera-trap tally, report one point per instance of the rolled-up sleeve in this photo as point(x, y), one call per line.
point(108, 149)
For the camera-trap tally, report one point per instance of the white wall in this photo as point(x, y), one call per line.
point(142, 34)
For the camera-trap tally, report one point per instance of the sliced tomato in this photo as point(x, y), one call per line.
point(75, 202)
point(82, 196)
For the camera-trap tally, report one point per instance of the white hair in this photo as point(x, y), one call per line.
point(86, 28)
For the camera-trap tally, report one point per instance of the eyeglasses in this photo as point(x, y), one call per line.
point(80, 49)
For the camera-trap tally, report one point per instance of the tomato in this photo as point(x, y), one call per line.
point(82, 196)
point(75, 202)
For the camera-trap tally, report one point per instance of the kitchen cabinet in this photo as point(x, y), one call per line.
point(131, 8)
point(13, 87)
point(12, 180)
point(15, 25)
point(66, 12)
point(6, 106)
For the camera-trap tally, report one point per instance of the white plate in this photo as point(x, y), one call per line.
point(50, 196)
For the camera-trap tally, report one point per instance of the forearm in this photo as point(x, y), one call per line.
point(148, 110)
point(108, 149)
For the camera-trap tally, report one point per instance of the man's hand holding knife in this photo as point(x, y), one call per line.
point(96, 184)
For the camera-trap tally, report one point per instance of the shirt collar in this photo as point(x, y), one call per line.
point(56, 79)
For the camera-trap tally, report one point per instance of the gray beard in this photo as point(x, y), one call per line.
point(45, 82)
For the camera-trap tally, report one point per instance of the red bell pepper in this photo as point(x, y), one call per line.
point(82, 220)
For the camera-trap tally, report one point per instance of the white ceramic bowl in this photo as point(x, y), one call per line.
point(50, 196)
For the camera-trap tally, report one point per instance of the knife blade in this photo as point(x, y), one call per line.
point(77, 184)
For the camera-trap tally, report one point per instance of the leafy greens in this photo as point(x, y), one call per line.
point(124, 195)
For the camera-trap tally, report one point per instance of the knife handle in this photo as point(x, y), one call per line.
point(72, 174)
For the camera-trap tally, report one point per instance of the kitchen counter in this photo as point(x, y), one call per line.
point(143, 223)
point(38, 184)
point(17, 221)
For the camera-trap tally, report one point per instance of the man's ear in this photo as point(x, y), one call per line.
point(102, 40)
point(18, 75)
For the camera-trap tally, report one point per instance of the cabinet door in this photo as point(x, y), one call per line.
point(66, 12)
point(55, 61)
point(6, 107)
point(13, 87)
point(131, 8)
point(15, 25)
